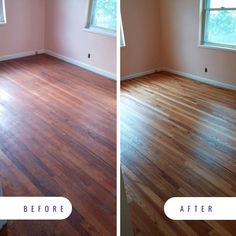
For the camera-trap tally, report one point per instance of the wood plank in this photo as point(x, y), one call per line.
point(178, 138)
point(58, 138)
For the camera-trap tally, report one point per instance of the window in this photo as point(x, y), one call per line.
point(2, 12)
point(219, 23)
point(102, 16)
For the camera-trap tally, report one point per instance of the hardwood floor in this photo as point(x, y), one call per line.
point(178, 138)
point(58, 138)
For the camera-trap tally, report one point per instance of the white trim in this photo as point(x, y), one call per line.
point(3, 13)
point(83, 65)
point(61, 57)
point(97, 30)
point(21, 54)
point(201, 79)
point(140, 74)
point(221, 9)
point(122, 34)
point(201, 22)
point(184, 74)
point(218, 46)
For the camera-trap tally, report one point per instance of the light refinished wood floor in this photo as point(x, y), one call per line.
point(178, 139)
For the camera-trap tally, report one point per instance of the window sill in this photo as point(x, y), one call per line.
point(100, 31)
point(3, 23)
point(220, 47)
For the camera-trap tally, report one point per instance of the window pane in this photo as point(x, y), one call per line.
point(104, 14)
point(222, 3)
point(221, 27)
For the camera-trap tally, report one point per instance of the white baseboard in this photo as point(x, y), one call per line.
point(201, 79)
point(184, 74)
point(83, 65)
point(140, 74)
point(21, 54)
point(59, 56)
point(113, 76)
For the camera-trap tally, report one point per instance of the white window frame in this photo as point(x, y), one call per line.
point(96, 29)
point(2, 2)
point(202, 43)
point(122, 35)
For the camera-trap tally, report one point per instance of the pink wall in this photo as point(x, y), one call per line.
point(179, 44)
point(56, 25)
point(65, 21)
point(24, 30)
point(142, 35)
point(172, 27)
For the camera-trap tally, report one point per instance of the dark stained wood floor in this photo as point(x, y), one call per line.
point(58, 138)
point(178, 139)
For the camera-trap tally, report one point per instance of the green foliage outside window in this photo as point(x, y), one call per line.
point(221, 27)
point(104, 14)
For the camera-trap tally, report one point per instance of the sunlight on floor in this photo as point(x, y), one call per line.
point(4, 96)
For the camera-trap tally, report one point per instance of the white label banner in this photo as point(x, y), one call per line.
point(201, 208)
point(34, 208)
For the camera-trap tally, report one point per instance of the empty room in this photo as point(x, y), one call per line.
point(58, 113)
point(178, 112)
